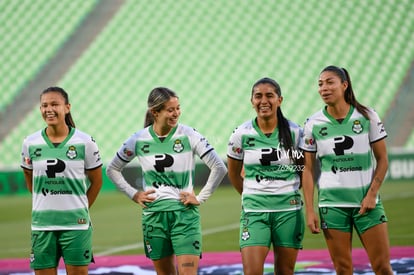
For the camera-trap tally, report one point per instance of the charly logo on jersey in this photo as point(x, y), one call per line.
point(357, 127)
point(178, 146)
point(71, 153)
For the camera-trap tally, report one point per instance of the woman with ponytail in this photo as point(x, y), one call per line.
point(166, 151)
point(345, 136)
point(264, 166)
point(63, 171)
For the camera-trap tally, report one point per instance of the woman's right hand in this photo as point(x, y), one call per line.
point(141, 197)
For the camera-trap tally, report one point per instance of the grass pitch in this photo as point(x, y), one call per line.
point(117, 222)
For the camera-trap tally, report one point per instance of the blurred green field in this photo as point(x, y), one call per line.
point(117, 223)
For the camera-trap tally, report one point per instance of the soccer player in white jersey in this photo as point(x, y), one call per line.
point(345, 136)
point(166, 152)
point(264, 166)
point(62, 169)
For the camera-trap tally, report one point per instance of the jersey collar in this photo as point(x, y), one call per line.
point(334, 121)
point(50, 144)
point(257, 128)
point(157, 139)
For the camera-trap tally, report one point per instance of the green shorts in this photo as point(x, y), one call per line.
point(284, 229)
point(75, 246)
point(172, 232)
point(346, 218)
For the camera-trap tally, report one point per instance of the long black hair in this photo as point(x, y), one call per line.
point(285, 136)
point(68, 117)
point(349, 96)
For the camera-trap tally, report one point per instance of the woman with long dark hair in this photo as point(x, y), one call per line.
point(345, 136)
point(264, 166)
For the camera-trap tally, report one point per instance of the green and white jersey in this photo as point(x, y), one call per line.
point(59, 179)
point(345, 154)
point(168, 164)
point(271, 182)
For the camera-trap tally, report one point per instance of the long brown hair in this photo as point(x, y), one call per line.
point(156, 100)
point(349, 96)
point(68, 117)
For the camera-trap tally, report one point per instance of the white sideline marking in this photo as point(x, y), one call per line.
point(141, 244)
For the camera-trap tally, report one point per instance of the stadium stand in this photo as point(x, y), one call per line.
point(31, 33)
point(211, 52)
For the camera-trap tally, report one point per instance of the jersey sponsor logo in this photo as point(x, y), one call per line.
point(46, 192)
point(341, 169)
point(342, 143)
point(71, 153)
point(178, 146)
point(260, 178)
point(270, 155)
point(357, 127)
point(54, 166)
point(163, 161)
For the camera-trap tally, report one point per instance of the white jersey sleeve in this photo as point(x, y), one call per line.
point(307, 141)
point(377, 130)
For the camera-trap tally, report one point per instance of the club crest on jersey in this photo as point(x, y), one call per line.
point(245, 234)
point(178, 146)
point(357, 127)
point(148, 245)
point(71, 153)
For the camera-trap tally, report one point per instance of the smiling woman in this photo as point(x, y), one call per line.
point(263, 160)
point(167, 151)
point(63, 171)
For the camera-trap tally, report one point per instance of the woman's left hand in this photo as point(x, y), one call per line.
point(188, 198)
point(368, 203)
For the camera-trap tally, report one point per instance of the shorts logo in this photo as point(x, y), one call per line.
point(178, 146)
point(32, 257)
point(245, 235)
point(149, 248)
point(86, 254)
point(82, 221)
point(71, 153)
point(196, 244)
